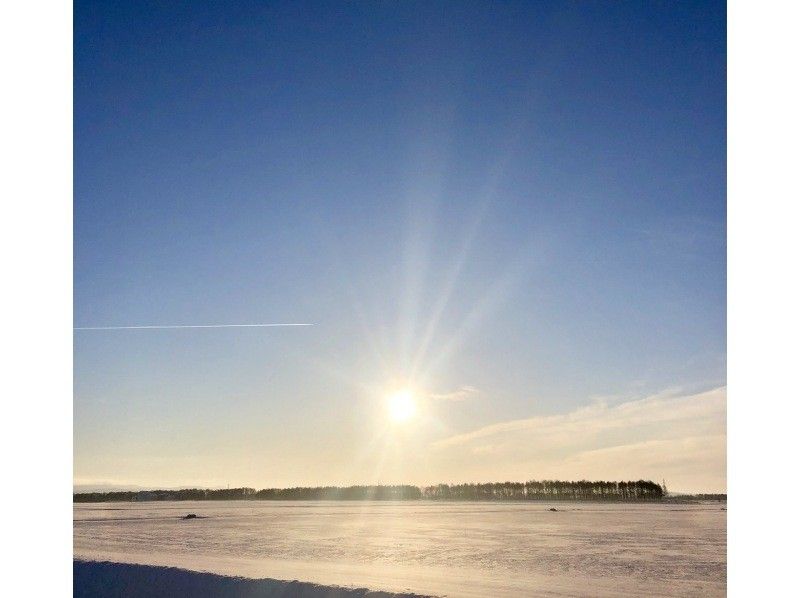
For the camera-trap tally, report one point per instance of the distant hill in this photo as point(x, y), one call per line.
point(105, 488)
point(89, 488)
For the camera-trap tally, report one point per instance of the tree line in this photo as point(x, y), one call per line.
point(497, 491)
point(547, 490)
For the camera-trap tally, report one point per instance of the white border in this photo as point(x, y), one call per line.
point(763, 301)
point(36, 297)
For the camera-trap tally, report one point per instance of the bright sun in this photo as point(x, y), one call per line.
point(402, 406)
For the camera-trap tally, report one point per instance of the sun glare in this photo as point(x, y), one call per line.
point(402, 406)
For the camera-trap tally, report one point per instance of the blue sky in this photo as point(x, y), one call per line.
point(518, 205)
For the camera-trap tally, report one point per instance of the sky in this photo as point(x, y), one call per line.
point(515, 211)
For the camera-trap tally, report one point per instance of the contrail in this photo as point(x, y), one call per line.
point(177, 327)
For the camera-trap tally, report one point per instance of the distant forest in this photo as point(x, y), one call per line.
point(499, 491)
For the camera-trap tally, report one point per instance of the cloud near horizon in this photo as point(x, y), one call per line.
point(679, 438)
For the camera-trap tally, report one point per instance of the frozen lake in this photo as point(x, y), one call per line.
point(450, 548)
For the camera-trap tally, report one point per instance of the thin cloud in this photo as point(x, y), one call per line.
point(460, 394)
point(599, 417)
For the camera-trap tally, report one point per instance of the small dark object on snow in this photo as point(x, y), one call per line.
point(190, 516)
point(553, 509)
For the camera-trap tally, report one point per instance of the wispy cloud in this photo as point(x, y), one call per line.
point(599, 417)
point(459, 394)
point(678, 437)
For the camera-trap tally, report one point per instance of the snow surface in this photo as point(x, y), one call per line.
point(453, 549)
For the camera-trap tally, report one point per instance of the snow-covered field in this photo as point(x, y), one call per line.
point(453, 549)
